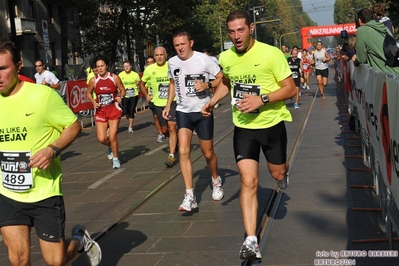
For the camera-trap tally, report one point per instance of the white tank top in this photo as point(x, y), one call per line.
point(318, 58)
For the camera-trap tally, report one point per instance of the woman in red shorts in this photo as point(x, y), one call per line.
point(110, 91)
point(306, 58)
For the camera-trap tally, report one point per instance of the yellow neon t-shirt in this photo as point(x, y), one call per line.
point(129, 81)
point(258, 71)
point(157, 77)
point(37, 115)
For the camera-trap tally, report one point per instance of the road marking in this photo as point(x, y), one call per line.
point(105, 178)
point(157, 149)
point(228, 109)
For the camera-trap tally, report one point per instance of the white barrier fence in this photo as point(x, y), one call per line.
point(374, 100)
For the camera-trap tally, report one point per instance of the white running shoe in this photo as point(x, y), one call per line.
point(189, 203)
point(296, 106)
point(217, 191)
point(250, 249)
point(110, 154)
point(116, 164)
point(161, 138)
point(90, 247)
point(130, 130)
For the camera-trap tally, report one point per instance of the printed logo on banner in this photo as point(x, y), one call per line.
point(385, 132)
point(77, 96)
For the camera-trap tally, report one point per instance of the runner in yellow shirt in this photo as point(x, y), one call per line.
point(35, 127)
point(131, 81)
point(259, 80)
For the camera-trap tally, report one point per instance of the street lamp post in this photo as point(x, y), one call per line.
point(254, 11)
point(288, 33)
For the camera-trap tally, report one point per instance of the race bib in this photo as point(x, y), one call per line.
point(15, 173)
point(163, 90)
point(105, 99)
point(189, 84)
point(130, 93)
point(295, 75)
point(305, 66)
point(240, 89)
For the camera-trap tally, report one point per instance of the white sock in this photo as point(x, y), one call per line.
point(215, 181)
point(171, 155)
point(190, 191)
point(252, 238)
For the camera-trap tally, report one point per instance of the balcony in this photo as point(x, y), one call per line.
point(23, 26)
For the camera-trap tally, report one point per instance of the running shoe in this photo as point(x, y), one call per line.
point(116, 164)
point(307, 87)
point(296, 106)
point(217, 190)
point(90, 247)
point(161, 138)
point(250, 249)
point(171, 161)
point(110, 154)
point(189, 203)
point(130, 130)
point(283, 184)
point(323, 96)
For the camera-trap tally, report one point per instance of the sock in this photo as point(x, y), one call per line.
point(171, 155)
point(115, 158)
point(215, 181)
point(190, 191)
point(80, 239)
point(252, 238)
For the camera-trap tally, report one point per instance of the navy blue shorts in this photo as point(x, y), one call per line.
point(202, 125)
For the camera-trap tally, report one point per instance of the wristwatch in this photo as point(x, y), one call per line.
point(57, 151)
point(209, 85)
point(265, 98)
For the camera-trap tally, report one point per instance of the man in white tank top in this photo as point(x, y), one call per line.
point(321, 59)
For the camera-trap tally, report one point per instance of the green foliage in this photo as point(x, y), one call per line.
point(109, 27)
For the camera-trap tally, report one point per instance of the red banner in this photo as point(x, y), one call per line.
point(76, 96)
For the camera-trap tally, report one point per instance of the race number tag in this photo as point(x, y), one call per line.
point(295, 75)
point(130, 92)
point(190, 81)
point(105, 99)
point(15, 173)
point(163, 90)
point(240, 89)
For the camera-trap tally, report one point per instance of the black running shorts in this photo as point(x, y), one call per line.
point(322, 72)
point(273, 141)
point(47, 216)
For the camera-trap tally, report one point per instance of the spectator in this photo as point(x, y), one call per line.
point(369, 42)
point(45, 77)
point(349, 49)
point(284, 49)
point(378, 13)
